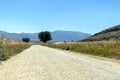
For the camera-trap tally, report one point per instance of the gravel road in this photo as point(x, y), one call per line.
point(42, 63)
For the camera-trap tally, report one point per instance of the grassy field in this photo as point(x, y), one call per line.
point(9, 48)
point(109, 49)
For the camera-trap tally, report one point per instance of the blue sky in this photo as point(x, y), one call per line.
point(89, 16)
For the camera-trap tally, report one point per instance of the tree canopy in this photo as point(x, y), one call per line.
point(25, 39)
point(44, 36)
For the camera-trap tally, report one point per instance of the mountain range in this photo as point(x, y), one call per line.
point(58, 35)
point(112, 33)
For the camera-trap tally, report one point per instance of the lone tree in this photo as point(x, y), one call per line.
point(25, 39)
point(44, 36)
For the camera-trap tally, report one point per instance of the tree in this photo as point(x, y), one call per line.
point(44, 36)
point(25, 39)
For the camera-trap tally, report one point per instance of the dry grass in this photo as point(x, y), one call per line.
point(9, 48)
point(109, 49)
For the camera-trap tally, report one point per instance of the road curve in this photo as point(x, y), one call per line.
point(42, 63)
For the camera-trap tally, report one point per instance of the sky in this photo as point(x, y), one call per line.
point(89, 16)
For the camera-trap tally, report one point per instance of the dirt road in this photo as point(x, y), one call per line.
point(42, 63)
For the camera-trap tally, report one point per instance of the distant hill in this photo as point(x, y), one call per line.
point(18, 37)
point(68, 35)
point(112, 33)
point(56, 36)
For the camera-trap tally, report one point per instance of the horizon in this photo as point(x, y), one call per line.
point(32, 16)
point(41, 31)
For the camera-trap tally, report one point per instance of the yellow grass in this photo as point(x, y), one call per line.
point(10, 48)
point(109, 49)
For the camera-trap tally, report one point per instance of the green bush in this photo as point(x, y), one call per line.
point(2, 54)
point(26, 40)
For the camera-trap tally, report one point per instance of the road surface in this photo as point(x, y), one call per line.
point(42, 63)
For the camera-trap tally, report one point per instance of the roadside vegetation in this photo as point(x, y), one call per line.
point(10, 48)
point(110, 49)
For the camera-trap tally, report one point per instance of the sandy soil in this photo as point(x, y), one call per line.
point(42, 63)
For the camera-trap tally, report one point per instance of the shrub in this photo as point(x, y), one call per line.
point(67, 48)
point(2, 54)
point(25, 39)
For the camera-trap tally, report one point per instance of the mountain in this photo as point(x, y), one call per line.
point(19, 36)
point(68, 35)
point(112, 33)
point(56, 36)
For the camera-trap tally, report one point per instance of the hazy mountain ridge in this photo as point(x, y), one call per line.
point(18, 36)
point(58, 35)
point(69, 35)
point(112, 33)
